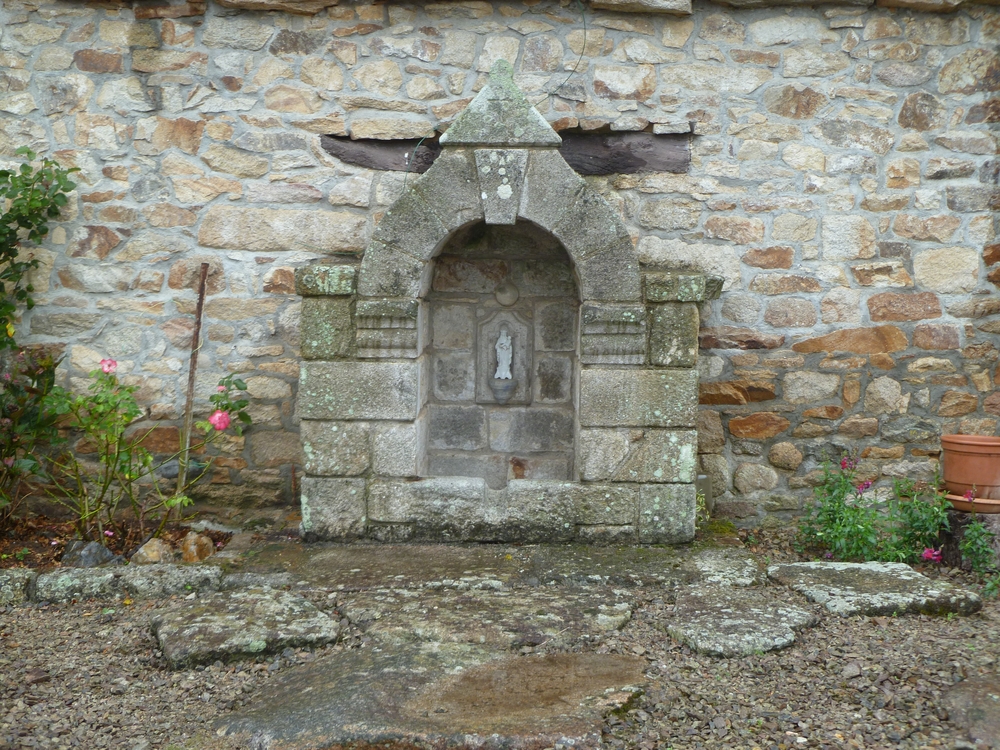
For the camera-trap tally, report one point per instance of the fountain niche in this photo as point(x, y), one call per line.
point(499, 367)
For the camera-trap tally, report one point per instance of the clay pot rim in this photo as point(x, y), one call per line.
point(978, 440)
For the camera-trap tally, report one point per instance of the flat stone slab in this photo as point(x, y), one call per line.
point(726, 621)
point(136, 581)
point(727, 566)
point(615, 566)
point(228, 626)
point(448, 697)
point(975, 705)
point(501, 619)
point(874, 588)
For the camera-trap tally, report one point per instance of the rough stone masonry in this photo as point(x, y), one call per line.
point(843, 182)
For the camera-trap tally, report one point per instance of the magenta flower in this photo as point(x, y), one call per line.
point(864, 486)
point(219, 420)
point(934, 555)
point(109, 533)
point(9, 461)
point(108, 366)
point(843, 462)
point(970, 495)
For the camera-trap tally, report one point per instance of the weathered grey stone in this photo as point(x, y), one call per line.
point(910, 429)
point(79, 583)
point(325, 281)
point(675, 287)
point(531, 429)
point(972, 704)
point(712, 260)
point(810, 387)
point(454, 376)
point(673, 7)
point(726, 566)
point(874, 588)
point(386, 271)
point(855, 134)
point(410, 227)
point(335, 449)
point(395, 450)
point(451, 190)
point(456, 427)
point(327, 328)
point(500, 116)
point(613, 334)
point(275, 230)
point(666, 513)
point(446, 508)
point(166, 580)
point(501, 181)
point(359, 390)
point(728, 622)
point(638, 398)
point(673, 335)
point(227, 626)
point(750, 478)
point(553, 380)
point(485, 700)
point(333, 509)
point(16, 585)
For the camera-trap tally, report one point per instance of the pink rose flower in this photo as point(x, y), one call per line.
point(108, 366)
point(934, 555)
point(219, 420)
point(220, 388)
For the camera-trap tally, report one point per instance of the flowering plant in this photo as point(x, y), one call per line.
point(25, 379)
point(853, 524)
point(110, 464)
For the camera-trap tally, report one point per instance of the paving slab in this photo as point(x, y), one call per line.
point(227, 626)
point(975, 705)
point(137, 581)
point(727, 566)
point(504, 619)
point(728, 621)
point(874, 588)
point(452, 696)
point(617, 566)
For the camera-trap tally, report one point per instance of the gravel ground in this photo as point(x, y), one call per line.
point(90, 676)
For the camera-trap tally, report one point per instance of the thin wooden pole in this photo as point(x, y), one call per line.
point(182, 458)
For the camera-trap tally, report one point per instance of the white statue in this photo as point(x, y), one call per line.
point(503, 355)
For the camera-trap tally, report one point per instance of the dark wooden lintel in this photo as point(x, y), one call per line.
point(587, 153)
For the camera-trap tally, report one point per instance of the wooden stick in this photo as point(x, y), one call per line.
point(182, 458)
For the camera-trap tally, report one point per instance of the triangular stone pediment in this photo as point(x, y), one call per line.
point(500, 115)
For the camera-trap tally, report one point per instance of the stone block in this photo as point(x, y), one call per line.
point(335, 449)
point(454, 376)
point(555, 327)
point(613, 334)
point(638, 398)
point(265, 230)
point(396, 449)
point(325, 281)
point(607, 535)
point(666, 513)
point(533, 511)
point(673, 7)
point(333, 509)
point(501, 181)
point(359, 390)
point(660, 456)
point(553, 381)
point(606, 504)
point(491, 468)
point(447, 508)
point(674, 287)
point(453, 326)
point(387, 271)
point(387, 328)
point(543, 278)
point(673, 335)
point(451, 189)
point(411, 226)
point(456, 427)
point(610, 273)
point(532, 429)
point(327, 328)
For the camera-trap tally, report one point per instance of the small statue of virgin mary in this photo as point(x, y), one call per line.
point(503, 348)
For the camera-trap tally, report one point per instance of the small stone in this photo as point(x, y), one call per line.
point(790, 313)
point(785, 456)
point(971, 71)
point(749, 478)
point(857, 340)
point(809, 387)
point(922, 111)
point(81, 554)
point(734, 228)
point(847, 238)
point(967, 142)
point(932, 336)
point(196, 547)
point(948, 270)
point(893, 306)
point(936, 228)
point(759, 426)
point(771, 257)
point(949, 169)
point(153, 551)
point(615, 82)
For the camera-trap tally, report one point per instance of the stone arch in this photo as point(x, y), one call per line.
point(500, 163)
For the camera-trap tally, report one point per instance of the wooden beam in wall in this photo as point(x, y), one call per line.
point(587, 153)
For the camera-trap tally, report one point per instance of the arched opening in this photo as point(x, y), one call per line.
point(501, 345)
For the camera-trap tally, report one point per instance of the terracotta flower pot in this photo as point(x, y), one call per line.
point(971, 462)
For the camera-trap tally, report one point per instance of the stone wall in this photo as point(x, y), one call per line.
point(843, 183)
